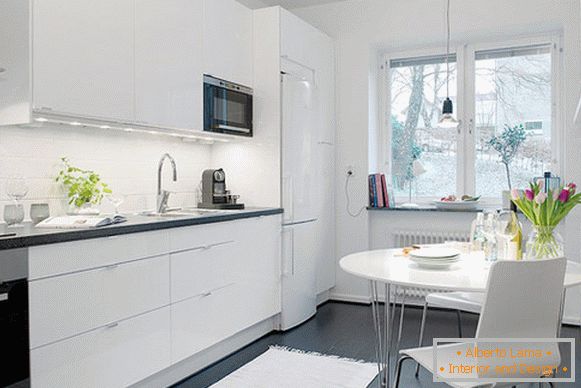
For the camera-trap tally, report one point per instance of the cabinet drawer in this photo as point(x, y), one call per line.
point(67, 305)
point(199, 236)
point(198, 323)
point(114, 356)
point(196, 271)
point(56, 259)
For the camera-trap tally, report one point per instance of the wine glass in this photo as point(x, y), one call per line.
point(506, 230)
point(16, 188)
point(116, 200)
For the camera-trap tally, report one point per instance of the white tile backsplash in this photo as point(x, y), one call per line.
point(126, 161)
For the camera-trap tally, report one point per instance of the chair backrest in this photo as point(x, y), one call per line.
point(523, 299)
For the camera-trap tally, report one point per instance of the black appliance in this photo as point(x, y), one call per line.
point(227, 107)
point(14, 328)
point(214, 193)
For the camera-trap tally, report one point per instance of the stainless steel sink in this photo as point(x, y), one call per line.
point(183, 212)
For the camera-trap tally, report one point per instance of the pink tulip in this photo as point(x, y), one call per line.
point(564, 196)
point(572, 187)
point(541, 184)
point(515, 194)
point(541, 198)
point(529, 194)
point(556, 195)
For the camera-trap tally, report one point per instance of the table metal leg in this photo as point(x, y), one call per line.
point(401, 316)
point(387, 330)
point(377, 326)
point(382, 332)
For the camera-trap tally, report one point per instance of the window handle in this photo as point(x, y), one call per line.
point(471, 126)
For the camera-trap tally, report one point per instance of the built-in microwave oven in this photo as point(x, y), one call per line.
point(227, 107)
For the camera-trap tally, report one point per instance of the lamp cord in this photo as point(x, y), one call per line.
point(348, 203)
point(448, 49)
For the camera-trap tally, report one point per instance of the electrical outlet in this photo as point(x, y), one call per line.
point(350, 171)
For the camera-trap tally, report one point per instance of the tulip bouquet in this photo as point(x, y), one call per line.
point(545, 209)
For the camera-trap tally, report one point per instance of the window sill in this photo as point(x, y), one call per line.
point(432, 208)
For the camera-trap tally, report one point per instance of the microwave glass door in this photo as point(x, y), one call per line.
point(227, 111)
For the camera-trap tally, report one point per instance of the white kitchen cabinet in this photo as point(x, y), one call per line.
point(228, 41)
point(119, 63)
point(15, 80)
point(114, 311)
point(83, 57)
point(94, 298)
point(240, 291)
point(168, 63)
point(116, 355)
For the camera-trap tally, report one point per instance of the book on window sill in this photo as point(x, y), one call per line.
point(80, 222)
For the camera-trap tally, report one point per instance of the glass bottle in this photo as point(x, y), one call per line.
point(490, 243)
point(477, 233)
point(516, 242)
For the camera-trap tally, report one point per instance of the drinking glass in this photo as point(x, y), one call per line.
point(39, 212)
point(13, 214)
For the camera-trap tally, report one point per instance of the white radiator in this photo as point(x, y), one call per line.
point(406, 238)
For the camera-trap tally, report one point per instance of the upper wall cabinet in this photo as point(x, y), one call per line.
point(83, 57)
point(119, 63)
point(228, 41)
point(168, 62)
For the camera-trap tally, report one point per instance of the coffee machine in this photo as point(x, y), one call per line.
point(214, 193)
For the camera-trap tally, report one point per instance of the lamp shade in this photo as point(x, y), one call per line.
point(447, 119)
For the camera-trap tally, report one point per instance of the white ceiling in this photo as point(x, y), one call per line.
point(288, 4)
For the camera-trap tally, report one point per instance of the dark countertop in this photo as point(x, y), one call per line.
point(27, 235)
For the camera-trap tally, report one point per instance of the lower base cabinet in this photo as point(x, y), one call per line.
point(117, 355)
point(209, 283)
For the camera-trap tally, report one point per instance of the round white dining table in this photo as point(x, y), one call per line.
point(386, 268)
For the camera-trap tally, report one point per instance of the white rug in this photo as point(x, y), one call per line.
point(289, 368)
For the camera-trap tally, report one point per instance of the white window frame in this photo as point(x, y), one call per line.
point(465, 106)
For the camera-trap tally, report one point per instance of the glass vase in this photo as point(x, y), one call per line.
point(544, 242)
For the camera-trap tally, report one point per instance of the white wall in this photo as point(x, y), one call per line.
point(126, 161)
point(366, 28)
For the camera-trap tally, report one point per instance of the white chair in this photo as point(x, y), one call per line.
point(515, 306)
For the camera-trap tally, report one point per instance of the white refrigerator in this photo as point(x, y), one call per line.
point(299, 267)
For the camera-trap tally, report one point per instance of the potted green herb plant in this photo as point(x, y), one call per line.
point(85, 190)
point(507, 145)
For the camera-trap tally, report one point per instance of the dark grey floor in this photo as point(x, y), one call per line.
point(347, 330)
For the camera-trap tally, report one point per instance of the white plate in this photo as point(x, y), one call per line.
point(456, 205)
point(433, 264)
point(435, 253)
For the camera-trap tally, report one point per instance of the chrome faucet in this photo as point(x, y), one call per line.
point(163, 195)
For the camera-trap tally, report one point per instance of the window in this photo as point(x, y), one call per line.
point(500, 92)
point(419, 149)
